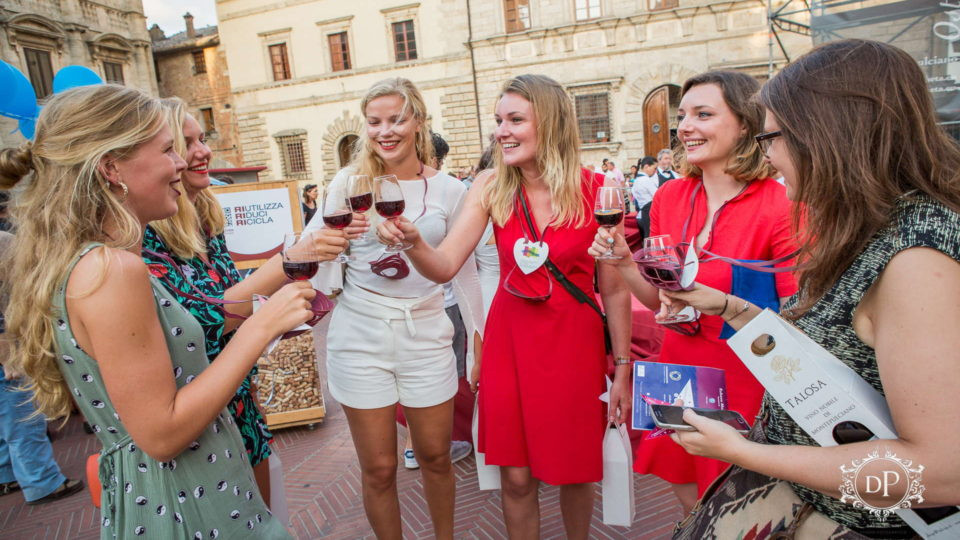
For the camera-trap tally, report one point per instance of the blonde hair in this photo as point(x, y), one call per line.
point(558, 154)
point(365, 158)
point(62, 208)
point(186, 232)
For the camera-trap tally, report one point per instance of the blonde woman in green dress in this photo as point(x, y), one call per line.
point(88, 323)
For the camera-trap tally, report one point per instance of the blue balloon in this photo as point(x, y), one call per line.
point(17, 98)
point(27, 128)
point(74, 76)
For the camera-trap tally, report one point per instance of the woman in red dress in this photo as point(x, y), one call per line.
point(544, 361)
point(729, 206)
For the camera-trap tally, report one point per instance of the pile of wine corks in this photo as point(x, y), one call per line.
point(288, 379)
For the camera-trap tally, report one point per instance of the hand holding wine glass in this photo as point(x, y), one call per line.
point(360, 195)
point(337, 213)
point(390, 204)
point(288, 308)
point(608, 212)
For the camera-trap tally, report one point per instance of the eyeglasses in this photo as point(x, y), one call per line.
point(529, 286)
point(765, 139)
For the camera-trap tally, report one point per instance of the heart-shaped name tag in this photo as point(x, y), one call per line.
point(530, 255)
point(691, 266)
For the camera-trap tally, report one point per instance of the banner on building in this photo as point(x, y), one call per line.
point(929, 30)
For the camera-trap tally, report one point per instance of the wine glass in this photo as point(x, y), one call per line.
point(390, 204)
point(609, 212)
point(662, 266)
point(300, 258)
point(337, 213)
point(360, 192)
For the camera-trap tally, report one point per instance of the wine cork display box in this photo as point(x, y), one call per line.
point(289, 384)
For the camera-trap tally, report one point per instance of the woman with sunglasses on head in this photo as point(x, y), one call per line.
point(89, 323)
point(544, 361)
point(187, 253)
point(390, 340)
point(725, 204)
point(879, 201)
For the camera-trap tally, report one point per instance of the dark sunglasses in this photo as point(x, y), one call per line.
point(765, 139)
point(688, 328)
point(525, 290)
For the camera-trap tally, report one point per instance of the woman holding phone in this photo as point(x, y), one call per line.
point(544, 361)
point(89, 324)
point(879, 201)
point(390, 340)
point(725, 204)
point(187, 253)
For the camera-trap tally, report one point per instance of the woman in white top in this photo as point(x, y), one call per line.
point(389, 339)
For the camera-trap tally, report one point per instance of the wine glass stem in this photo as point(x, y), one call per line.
point(610, 250)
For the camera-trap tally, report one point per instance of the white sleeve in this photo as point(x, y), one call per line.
point(329, 278)
point(466, 283)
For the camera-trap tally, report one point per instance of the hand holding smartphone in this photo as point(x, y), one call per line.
point(671, 417)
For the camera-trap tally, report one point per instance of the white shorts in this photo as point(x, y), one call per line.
point(383, 350)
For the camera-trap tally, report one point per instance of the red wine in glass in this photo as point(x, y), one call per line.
point(608, 218)
point(361, 203)
point(608, 210)
point(390, 209)
point(299, 271)
point(339, 219)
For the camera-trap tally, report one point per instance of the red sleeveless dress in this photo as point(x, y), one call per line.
point(544, 362)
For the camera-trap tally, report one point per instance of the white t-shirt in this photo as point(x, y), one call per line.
point(443, 199)
point(643, 189)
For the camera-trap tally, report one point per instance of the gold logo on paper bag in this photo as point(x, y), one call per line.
point(785, 367)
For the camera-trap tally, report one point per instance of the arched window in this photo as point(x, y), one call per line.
point(345, 149)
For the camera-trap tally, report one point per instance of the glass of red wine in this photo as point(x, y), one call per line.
point(661, 264)
point(609, 212)
point(360, 194)
point(300, 259)
point(337, 213)
point(389, 202)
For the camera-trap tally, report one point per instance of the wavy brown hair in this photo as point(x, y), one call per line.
point(739, 89)
point(62, 208)
point(860, 128)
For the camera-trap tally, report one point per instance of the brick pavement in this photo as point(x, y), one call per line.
point(323, 486)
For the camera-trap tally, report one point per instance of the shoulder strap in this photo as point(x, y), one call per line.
point(575, 291)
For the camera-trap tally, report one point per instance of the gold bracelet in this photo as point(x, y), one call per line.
point(746, 306)
point(621, 360)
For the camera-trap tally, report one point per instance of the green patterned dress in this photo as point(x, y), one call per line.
point(206, 492)
point(213, 279)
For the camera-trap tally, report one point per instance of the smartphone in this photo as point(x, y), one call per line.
point(671, 417)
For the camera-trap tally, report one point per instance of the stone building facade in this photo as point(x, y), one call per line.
point(193, 66)
point(41, 36)
point(300, 67)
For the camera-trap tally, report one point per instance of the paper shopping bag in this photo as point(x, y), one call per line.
point(488, 476)
point(819, 392)
point(617, 485)
point(278, 494)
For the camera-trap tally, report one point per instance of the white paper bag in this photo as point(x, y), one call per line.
point(819, 391)
point(278, 493)
point(617, 485)
point(488, 476)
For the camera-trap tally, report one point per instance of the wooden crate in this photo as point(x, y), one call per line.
point(289, 384)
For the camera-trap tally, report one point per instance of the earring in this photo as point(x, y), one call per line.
point(126, 191)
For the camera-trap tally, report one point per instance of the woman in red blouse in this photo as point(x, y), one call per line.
point(728, 205)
